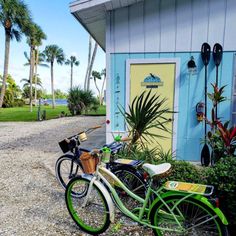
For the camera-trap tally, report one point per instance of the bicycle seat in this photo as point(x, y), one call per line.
point(154, 170)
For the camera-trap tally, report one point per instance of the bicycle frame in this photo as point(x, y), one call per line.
point(110, 180)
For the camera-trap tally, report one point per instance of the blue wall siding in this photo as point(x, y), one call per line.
point(191, 91)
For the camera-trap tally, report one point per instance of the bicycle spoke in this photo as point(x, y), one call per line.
point(193, 217)
point(90, 212)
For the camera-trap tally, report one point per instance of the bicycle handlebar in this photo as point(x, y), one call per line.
point(120, 139)
point(126, 139)
point(91, 129)
point(96, 127)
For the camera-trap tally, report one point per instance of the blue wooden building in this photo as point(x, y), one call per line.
point(160, 36)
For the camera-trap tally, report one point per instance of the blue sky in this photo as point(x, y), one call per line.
point(62, 29)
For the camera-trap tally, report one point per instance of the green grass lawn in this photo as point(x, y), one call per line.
point(23, 114)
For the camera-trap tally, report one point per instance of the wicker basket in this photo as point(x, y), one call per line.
point(89, 162)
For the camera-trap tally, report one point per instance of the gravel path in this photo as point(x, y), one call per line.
point(31, 200)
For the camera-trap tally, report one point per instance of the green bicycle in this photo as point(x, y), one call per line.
point(175, 208)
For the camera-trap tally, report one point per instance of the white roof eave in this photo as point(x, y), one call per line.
point(92, 15)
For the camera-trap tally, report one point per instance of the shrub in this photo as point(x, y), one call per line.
point(95, 105)
point(223, 177)
point(79, 100)
point(19, 103)
point(186, 172)
point(136, 152)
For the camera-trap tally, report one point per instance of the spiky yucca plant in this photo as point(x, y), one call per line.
point(147, 111)
point(79, 100)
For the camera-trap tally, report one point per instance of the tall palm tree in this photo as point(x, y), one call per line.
point(89, 58)
point(90, 63)
point(36, 80)
point(96, 75)
point(72, 61)
point(39, 57)
point(39, 61)
point(103, 73)
point(14, 16)
point(35, 35)
point(52, 53)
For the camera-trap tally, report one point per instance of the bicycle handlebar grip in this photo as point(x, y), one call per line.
point(67, 140)
point(96, 127)
point(126, 139)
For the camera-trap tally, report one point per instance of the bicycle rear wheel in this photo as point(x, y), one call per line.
point(132, 179)
point(195, 217)
point(134, 182)
point(66, 168)
point(90, 211)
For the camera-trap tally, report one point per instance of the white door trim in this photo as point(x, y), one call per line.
point(176, 61)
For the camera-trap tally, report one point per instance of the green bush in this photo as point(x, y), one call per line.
point(223, 177)
point(186, 172)
point(136, 152)
point(19, 103)
point(79, 100)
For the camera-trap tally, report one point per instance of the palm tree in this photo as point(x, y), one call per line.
point(35, 35)
point(72, 61)
point(39, 59)
point(52, 53)
point(36, 81)
point(14, 16)
point(96, 75)
point(103, 73)
point(90, 63)
point(89, 58)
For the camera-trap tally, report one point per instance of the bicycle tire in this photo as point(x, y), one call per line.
point(132, 179)
point(88, 218)
point(134, 182)
point(190, 208)
point(66, 162)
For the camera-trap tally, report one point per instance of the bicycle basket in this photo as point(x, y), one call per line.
point(89, 162)
point(67, 145)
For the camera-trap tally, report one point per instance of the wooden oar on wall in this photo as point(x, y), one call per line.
point(217, 57)
point(205, 54)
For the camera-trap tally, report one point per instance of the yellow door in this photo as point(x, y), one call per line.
point(166, 73)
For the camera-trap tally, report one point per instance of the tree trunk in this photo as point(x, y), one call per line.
point(52, 86)
point(6, 65)
point(91, 65)
point(89, 58)
point(32, 57)
point(101, 97)
point(95, 82)
point(71, 75)
point(35, 73)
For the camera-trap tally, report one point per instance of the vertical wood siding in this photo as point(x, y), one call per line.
point(190, 132)
point(173, 26)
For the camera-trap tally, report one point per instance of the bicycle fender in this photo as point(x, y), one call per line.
point(200, 198)
point(106, 194)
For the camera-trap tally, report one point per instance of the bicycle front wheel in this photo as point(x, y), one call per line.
point(90, 211)
point(66, 168)
point(195, 218)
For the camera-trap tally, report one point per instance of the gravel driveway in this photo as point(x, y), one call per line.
point(31, 200)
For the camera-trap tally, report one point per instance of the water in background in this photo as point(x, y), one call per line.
point(62, 102)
